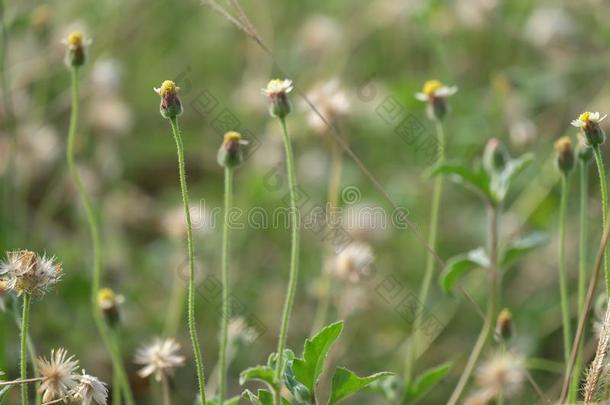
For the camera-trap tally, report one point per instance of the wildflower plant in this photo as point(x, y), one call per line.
point(170, 108)
point(159, 359)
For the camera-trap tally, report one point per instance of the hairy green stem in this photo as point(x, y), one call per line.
point(167, 399)
point(25, 319)
point(294, 259)
point(604, 196)
point(563, 281)
point(191, 255)
point(491, 309)
point(430, 259)
point(94, 232)
point(224, 334)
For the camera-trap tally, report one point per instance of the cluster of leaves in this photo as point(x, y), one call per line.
point(301, 375)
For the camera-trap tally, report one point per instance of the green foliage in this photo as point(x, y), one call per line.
point(458, 265)
point(424, 382)
point(515, 250)
point(262, 397)
point(230, 401)
point(265, 374)
point(346, 383)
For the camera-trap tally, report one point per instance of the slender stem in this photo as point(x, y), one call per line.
point(294, 259)
point(582, 272)
point(333, 192)
point(224, 334)
point(191, 254)
point(20, 381)
point(94, 232)
point(117, 381)
point(604, 196)
point(491, 308)
point(167, 399)
point(430, 259)
point(563, 283)
point(25, 318)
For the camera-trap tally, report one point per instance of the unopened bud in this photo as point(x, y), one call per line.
point(170, 106)
point(564, 155)
point(230, 153)
point(495, 156)
point(504, 325)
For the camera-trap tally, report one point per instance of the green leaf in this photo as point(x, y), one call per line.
point(425, 381)
point(308, 368)
point(516, 249)
point(460, 264)
point(231, 401)
point(475, 179)
point(346, 383)
point(501, 183)
point(261, 373)
point(263, 397)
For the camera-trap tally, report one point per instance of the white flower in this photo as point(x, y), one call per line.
point(58, 374)
point(330, 100)
point(27, 272)
point(276, 87)
point(501, 374)
point(354, 262)
point(89, 389)
point(585, 118)
point(434, 89)
point(239, 330)
point(160, 358)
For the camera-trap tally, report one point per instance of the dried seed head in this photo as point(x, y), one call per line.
point(501, 374)
point(435, 94)
point(59, 375)
point(170, 106)
point(230, 153)
point(354, 262)
point(91, 389)
point(504, 325)
point(277, 91)
point(75, 49)
point(588, 122)
point(564, 155)
point(160, 358)
point(495, 156)
point(25, 272)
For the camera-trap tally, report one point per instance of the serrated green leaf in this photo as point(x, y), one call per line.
point(424, 382)
point(460, 264)
point(261, 373)
point(346, 383)
point(500, 184)
point(308, 368)
point(475, 179)
point(516, 249)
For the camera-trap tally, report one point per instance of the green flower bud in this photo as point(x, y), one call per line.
point(495, 156)
point(565, 155)
point(230, 153)
point(170, 106)
point(75, 54)
point(277, 91)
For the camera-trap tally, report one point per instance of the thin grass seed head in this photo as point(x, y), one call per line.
point(159, 358)
point(75, 49)
point(230, 154)
point(495, 156)
point(564, 155)
point(277, 91)
point(170, 106)
point(26, 272)
point(90, 389)
point(109, 302)
point(588, 122)
point(59, 375)
point(434, 93)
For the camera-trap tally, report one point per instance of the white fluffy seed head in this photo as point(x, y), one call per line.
point(59, 375)
point(159, 358)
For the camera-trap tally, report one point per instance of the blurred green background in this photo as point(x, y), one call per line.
point(524, 70)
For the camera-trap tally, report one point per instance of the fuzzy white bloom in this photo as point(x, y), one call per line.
point(354, 262)
point(434, 89)
point(26, 272)
point(502, 373)
point(90, 389)
point(160, 358)
point(330, 100)
point(59, 375)
point(240, 331)
point(276, 87)
point(585, 118)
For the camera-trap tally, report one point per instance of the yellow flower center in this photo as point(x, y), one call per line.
point(75, 39)
point(431, 87)
point(232, 136)
point(105, 295)
point(168, 86)
point(584, 117)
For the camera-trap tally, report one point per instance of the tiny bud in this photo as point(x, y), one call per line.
point(277, 91)
point(588, 122)
point(75, 53)
point(109, 302)
point(565, 154)
point(495, 156)
point(434, 94)
point(230, 153)
point(504, 325)
point(170, 106)
point(583, 151)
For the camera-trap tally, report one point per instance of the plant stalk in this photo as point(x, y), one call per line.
point(25, 319)
point(599, 161)
point(563, 282)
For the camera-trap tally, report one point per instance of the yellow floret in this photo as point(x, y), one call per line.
point(431, 87)
point(232, 136)
point(105, 295)
point(75, 38)
point(168, 86)
point(584, 117)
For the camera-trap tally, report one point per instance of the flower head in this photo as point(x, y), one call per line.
point(170, 107)
point(75, 49)
point(277, 91)
point(59, 375)
point(504, 325)
point(564, 154)
point(435, 93)
point(230, 153)
point(90, 389)
point(331, 102)
point(354, 262)
point(109, 303)
point(29, 273)
point(160, 358)
point(588, 122)
point(501, 374)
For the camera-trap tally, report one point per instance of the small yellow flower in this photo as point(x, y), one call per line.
point(435, 89)
point(167, 87)
point(276, 87)
point(106, 298)
point(431, 86)
point(232, 136)
point(587, 117)
point(75, 38)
